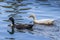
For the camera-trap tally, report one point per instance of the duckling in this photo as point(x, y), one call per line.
point(42, 21)
point(19, 26)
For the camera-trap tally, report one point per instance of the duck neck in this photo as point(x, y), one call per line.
point(34, 18)
point(13, 23)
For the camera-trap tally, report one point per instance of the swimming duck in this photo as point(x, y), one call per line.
point(19, 26)
point(42, 21)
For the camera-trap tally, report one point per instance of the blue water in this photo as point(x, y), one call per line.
point(21, 10)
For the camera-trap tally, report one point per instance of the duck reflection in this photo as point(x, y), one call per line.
point(10, 38)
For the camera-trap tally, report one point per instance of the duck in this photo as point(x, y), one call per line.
point(19, 26)
point(42, 21)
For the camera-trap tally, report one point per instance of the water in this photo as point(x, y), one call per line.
point(20, 10)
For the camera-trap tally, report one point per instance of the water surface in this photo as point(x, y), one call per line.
point(20, 10)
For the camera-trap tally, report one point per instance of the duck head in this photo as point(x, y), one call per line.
point(12, 20)
point(32, 16)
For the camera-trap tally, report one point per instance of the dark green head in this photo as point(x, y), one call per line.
point(12, 20)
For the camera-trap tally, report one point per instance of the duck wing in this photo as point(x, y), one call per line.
point(24, 26)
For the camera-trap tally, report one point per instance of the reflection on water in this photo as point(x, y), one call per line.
point(10, 39)
point(20, 11)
